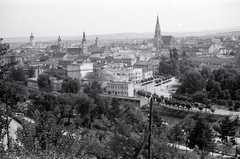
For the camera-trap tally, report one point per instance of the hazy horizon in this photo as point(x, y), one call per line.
point(70, 18)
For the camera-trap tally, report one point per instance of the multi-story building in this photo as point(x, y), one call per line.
point(132, 74)
point(56, 83)
point(11, 59)
point(120, 88)
point(79, 70)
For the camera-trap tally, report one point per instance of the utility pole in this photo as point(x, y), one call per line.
point(150, 130)
point(7, 125)
point(148, 135)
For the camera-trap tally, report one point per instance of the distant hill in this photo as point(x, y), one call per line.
point(229, 31)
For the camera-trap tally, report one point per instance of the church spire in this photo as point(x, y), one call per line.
point(59, 40)
point(157, 36)
point(84, 38)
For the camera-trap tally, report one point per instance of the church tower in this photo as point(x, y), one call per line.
point(59, 40)
point(157, 36)
point(32, 42)
point(96, 41)
point(84, 46)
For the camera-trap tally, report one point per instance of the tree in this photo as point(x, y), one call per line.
point(3, 48)
point(200, 96)
point(200, 108)
point(85, 106)
point(227, 130)
point(192, 82)
point(115, 108)
point(236, 105)
point(4, 67)
point(4, 122)
point(65, 107)
point(184, 53)
point(230, 103)
point(213, 109)
point(176, 134)
point(201, 135)
point(92, 86)
point(44, 83)
point(17, 74)
point(70, 85)
point(31, 72)
point(12, 93)
point(189, 106)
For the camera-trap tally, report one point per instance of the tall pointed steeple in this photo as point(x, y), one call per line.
point(157, 36)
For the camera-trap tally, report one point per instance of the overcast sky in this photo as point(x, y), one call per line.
point(18, 18)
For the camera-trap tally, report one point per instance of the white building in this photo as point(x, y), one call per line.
point(79, 70)
point(132, 74)
point(56, 83)
point(120, 88)
point(147, 73)
point(217, 49)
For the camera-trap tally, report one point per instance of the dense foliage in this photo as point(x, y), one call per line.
point(70, 85)
point(219, 86)
point(44, 82)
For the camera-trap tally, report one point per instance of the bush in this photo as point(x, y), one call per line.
point(222, 102)
point(182, 97)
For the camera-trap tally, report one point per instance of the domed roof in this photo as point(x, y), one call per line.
point(31, 35)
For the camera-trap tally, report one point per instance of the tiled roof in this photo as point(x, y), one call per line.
point(74, 50)
point(143, 63)
point(55, 47)
point(154, 61)
point(83, 57)
point(58, 55)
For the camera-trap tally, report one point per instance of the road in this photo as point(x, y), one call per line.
point(182, 147)
point(164, 89)
point(13, 126)
point(12, 129)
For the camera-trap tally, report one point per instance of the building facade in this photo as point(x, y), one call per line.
point(131, 74)
point(120, 88)
point(79, 70)
point(6, 59)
